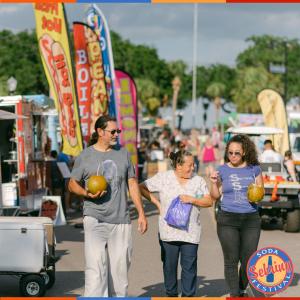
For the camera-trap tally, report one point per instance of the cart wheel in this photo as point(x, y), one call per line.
point(32, 285)
point(49, 278)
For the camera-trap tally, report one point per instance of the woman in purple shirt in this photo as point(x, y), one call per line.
point(238, 221)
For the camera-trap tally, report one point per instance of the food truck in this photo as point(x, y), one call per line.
point(21, 151)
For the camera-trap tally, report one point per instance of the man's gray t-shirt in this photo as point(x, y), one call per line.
point(117, 168)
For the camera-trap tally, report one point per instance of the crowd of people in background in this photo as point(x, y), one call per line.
point(206, 147)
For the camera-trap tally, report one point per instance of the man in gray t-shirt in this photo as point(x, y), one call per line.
point(106, 220)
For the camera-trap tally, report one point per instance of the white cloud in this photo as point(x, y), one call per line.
point(10, 9)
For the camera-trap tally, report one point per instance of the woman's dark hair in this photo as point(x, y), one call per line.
point(250, 153)
point(101, 122)
point(177, 158)
point(288, 154)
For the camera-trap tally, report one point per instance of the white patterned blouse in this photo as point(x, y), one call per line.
point(168, 187)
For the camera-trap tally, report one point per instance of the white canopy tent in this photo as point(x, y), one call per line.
point(6, 115)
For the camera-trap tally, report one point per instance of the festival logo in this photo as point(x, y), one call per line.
point(270, 270)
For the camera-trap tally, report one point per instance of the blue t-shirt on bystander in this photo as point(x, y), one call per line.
point(235, 182)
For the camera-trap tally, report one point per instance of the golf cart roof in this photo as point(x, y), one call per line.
point(255, 130)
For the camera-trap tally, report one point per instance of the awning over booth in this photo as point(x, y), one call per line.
point(5, 115)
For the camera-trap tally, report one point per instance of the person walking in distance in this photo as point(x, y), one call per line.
point(238, 221)
point(208, 156)
point(107, 228)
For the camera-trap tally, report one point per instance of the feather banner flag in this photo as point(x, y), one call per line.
point(91, 85)
point(127, 113)
point(96, 20)
point(274, 114)
point(52, 35)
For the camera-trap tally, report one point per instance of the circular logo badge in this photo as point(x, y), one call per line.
point(270, 270)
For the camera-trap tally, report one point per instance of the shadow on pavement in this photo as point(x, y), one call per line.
point(296, 279)
point(149, 208)
point(69, 232)
point(75, 280)
point(60, 253)
point(206, 288)
point(272, 226)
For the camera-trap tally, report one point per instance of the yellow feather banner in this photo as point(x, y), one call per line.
point(274, 114)
point(54, 48)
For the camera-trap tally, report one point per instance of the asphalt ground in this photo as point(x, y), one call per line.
point(145, 276)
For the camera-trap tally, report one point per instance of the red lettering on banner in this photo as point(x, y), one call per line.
point(68, 104)
point(51, 8)
point(51, 25)
point(61, 65)
point(83, 80)
point(45, 44)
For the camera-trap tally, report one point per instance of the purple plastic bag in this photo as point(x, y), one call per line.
point(178, 214)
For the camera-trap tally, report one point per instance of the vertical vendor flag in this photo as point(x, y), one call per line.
point(55, 52)
point(97, 21)
point(91, 87)
point(127, 113)
point(274, 113)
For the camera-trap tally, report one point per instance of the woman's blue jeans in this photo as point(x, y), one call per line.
point(170, 253)
point(239, 236)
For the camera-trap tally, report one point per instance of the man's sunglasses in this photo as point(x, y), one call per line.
point(234, 153)
point(114, 131)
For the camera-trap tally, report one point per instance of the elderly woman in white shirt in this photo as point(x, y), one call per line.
point(174, 242)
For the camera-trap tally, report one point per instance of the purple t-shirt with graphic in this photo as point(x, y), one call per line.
point(235, 182)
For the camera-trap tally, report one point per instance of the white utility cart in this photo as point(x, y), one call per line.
point(28, 251)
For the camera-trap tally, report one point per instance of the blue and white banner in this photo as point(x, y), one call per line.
point(97, 21)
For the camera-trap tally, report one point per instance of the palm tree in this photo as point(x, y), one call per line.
point(249, 82)
point(215, 91)
point(147, 90)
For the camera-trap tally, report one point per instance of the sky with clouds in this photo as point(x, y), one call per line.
point(222, 28)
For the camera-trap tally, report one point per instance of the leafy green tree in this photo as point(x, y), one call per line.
point(20, 58)
point(141, 61)
point(266, 50)
point(215, 73)
point(3, 86)
point(249, 82)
